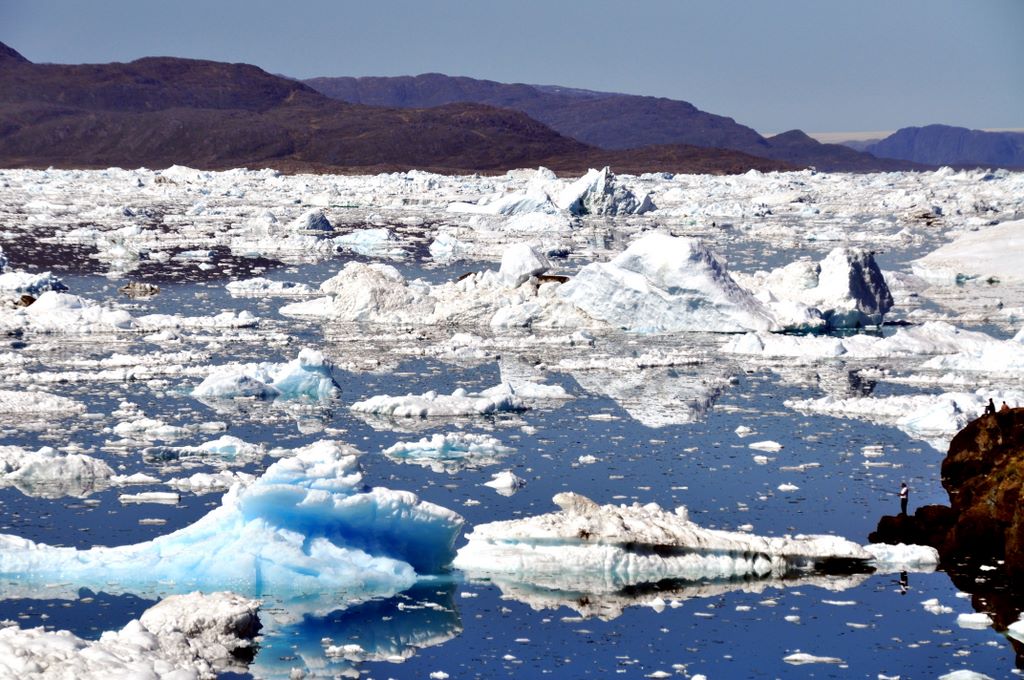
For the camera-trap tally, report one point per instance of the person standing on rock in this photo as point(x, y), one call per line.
point(904, 497)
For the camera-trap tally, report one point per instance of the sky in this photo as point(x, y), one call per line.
point(821, 65)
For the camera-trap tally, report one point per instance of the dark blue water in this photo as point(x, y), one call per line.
point(474, 629)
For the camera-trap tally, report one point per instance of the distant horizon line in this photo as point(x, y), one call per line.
point(867, 135)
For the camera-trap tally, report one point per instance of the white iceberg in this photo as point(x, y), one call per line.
point(664, 284)
point(308, 526)
point(993, 252)
point(450, 452)
point(263, 287)
point(521, 261)
point(432, 404)
point(599, 192)
point(306, 376)
point(25, 283)
point(605, 547)
point(182, 636)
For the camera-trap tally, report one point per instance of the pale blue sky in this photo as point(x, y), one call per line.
point(820, 65)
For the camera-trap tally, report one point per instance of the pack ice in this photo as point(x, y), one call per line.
point(308, 375)
point(307, 526)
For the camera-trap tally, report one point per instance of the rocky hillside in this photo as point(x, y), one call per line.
point(161, 111)
point(605, 119)
point(947, 145)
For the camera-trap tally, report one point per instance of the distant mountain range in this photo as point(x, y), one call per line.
point(604, 119)
point(159, 111)
point(955, 146)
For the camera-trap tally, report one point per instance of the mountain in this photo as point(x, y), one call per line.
point(159, 111)
point(948, 145)
point(603, 119)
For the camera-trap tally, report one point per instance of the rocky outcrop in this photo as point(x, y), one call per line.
point(983, 474)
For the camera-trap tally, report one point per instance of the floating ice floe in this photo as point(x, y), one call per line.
point(599, 192)
point(989, 253)
point(450, 452)
point(934, 418)
point(376, 242)
point(307, 528)
point(227, 449)
point(186, 636)
point(433, 405)
point(307, 376)
point(48, 473)
point(25, 283)
point(36, 403)
point(801, 658)
point(262, 287)
point(506, 482)
point(663, 284)
point(591, 547)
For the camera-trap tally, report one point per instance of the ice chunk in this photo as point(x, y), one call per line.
point(974, 620)
point(306, 376)
point(506, 482)
point(599, 192)
point(261, 287)
point(800, 658)
point(314, 220)
point(431, 404)
point(521, 261)
point(663, 284)
point(37, 403)
point(25, 283)
point(192, 635)
point(48, 473)
point(450, 452)
point(307, 526)
point(903, 557)
point(964, 674)
point(994, 252)
point(586, 545)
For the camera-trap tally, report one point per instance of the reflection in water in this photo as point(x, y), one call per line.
point(610, 604)
point(338, 643)
point(658, 397)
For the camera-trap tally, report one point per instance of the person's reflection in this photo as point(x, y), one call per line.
point(904, 583)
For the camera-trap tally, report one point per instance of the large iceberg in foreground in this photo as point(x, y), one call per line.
point(308, 375)
point(603, 548)
point(661, 283)
point(183, 636)
point(307, 528)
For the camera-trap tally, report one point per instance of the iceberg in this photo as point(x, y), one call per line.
point(846, 290)
point(307, 376)
point(587, 546)
point(47, 473)
point(263, 287)
point(308, 528)
point(450, 452)
point(663, 284)
point(186, 636)
point(434, 405)
point(25, 283)
point(13, 402)
point(599, 192)
point(993, 252)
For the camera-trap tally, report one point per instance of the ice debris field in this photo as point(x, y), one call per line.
point(414, 425)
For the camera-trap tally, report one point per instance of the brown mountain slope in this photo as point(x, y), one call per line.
point(603, 119)
point(160, 111)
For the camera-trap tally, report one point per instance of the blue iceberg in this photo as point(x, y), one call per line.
point(307, 530)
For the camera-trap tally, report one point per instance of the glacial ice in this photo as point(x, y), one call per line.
point(992, 252)
point(306, 528)
point(600, 192)
point(307, 376)
point(13, 402)
point(665, 284)
point(450, 452)
point(48, 473)
point(591, 547)
point(434, 405)
point(183, 636)
point(260, 286)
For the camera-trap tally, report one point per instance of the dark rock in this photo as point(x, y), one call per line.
point(948, 145)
